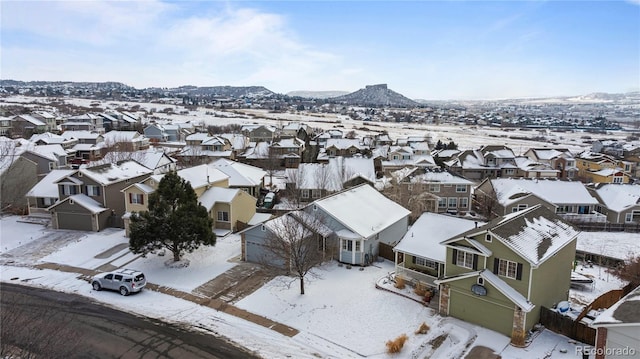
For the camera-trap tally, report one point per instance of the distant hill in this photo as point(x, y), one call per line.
point(317, 94)
point(222, 91)
point(69, 84)
point(376, 95)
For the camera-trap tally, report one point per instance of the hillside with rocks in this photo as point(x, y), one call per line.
point(376, 95)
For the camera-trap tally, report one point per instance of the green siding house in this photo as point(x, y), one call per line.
point(500, 274)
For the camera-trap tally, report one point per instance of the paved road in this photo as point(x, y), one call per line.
point(66, 321)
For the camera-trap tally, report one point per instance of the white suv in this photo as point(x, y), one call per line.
point(123, 280)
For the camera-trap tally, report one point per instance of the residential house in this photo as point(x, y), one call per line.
point(26, 125)
point(47, 157)
point(311, 181)
point(528, 168)
point(499, 275)
point(600, 168)
point(259, 133)
point(125, 141)
point(419, 257)
point(48, 118)
point(17, 175)
point(570, 200)
point(242, 176)
point(86, 122)
point(401, 157)
point(49, 138)
point(560, 159)
point(436, 191)
point(620, 202)
point(6, 126)
point(344, 147)
point(45, 193)
point(289, 151)
point(88, 145)
point(322, 138)
point(296, 130)
point(163, 133)
point(202, 147)
point(618, 329)
point(90, 198)
point(489, 161)
point(361, 220)
point(226, 206)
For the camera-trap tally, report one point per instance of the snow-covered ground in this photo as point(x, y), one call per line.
point(342, 314)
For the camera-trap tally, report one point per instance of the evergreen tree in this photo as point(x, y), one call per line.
point(452, 146)
point(175, 220)
point(439, 145)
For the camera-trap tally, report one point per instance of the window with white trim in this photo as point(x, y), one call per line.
point(461, 188)
point(442, 203)
point(423, 262)
point(507, 268)
point(465, 259)
point(223, 216)
point(315, 193)
point(347, 245)
point(136, 198)
point(453, 202)
point(357, 246)
point(618, 179)
point(305, 193)
point(68, 190)
point(464, 202)
point(434, 187)
point(93, 191)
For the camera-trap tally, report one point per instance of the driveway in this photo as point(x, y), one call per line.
point(236, 283)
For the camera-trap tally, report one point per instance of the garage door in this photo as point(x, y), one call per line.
point(77, 221)
point(481, 312)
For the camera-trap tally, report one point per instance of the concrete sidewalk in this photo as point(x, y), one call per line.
point(216, 304)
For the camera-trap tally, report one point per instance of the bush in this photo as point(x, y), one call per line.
point(420, 289)
point(423, 329)
point(395, 346)
point(400, 283)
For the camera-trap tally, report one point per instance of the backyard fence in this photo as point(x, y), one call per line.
point(566, 326)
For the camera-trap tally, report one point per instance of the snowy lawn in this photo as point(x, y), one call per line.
point(13, 233)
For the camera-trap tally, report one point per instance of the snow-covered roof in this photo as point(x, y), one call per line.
point(508, 190)
point(343, 143)
point(48, 137)
point(152, 158)
point(619, 245)
point(619, 197)
point(85, 201)
point(50, 152)
point(115, 172)
point(34, 121)
point(363, 210)
point(217, 194)
point(121, 136)
point(535, 233)
point(47, 187)
point(507, 290)
point(424, 236)
point(85, 135)
point(625, 312)
point(240, 174)
point(441, 177)
point(198, 176)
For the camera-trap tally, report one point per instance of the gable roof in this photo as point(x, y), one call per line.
point(363, 210)
point(84, 201)
point(625, 312)
point(115, 172)
point(535, 234)
point(47, 187)
point(424, 236)
point(240, 174)
point(508, 190)
point(198, 176)
point(618, 197)
point(217, 194)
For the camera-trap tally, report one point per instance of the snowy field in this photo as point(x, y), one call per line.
point(342, 314)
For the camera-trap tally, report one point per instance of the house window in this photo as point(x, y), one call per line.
point(461, 188)
point(442, 203)
point(223, 216)
point(51, 166)
point(509, 171)
point(480, 281)
point(464, 259)
point(423, 262)
point(68, 190)
point(315, 193)
point(48, 201)
point(434, 187)
point(305, 193)
point(263, 228)
point(93, 191)
point(618, 179)
point(136, 198)
point(357, 246)
point(453, 202)
point(564, 209)
point(507, 268)
point(464, 202)
point(487, 238)
point(347, 245)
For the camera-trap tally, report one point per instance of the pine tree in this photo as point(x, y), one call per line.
point(175, 220)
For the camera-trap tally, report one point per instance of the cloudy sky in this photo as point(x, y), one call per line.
point(422, 49)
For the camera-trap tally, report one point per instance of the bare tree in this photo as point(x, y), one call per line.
point(17, 176)
point(297, 242)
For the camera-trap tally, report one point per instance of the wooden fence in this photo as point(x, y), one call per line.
point(607, 227)
point(566, 326)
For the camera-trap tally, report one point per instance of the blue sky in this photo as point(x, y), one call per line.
point(422, 49)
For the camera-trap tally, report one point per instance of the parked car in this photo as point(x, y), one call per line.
point(124, 281)
point(269, 200)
